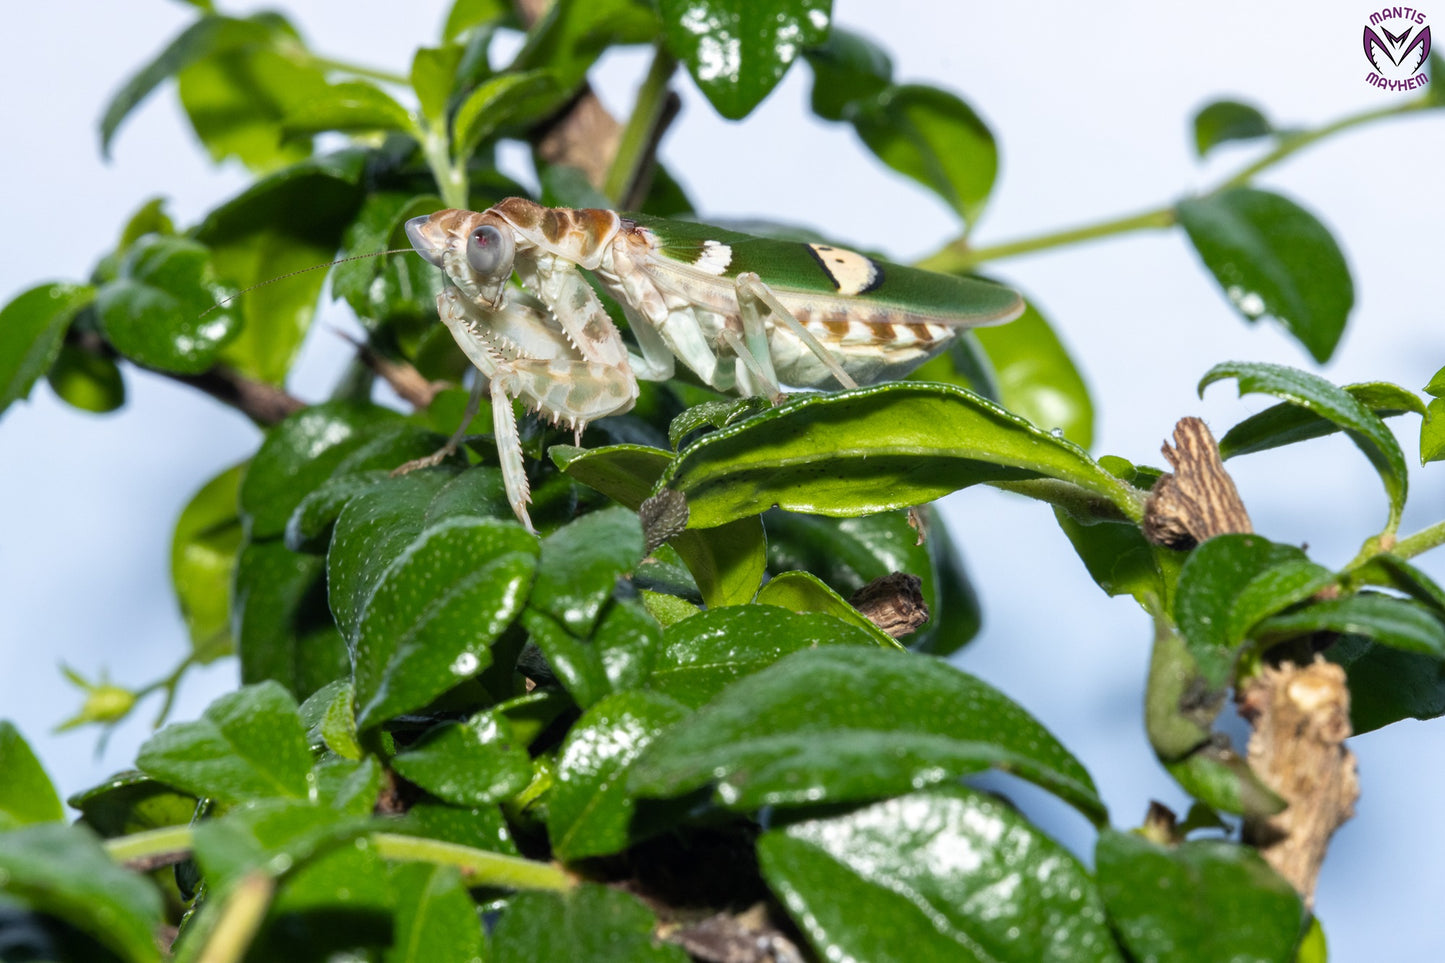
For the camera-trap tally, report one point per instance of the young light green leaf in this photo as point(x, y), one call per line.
point(1236, 908)
point(467, 763)
point(62, 871)
point(1225, 120)
point(501, 100)
point(805, 592)
point(1273, 258)
point(845, 723)
point(248, 744)
point(590, 811)
point(204, 549)
point(935, 138)
point(433, 77)
point(588, 922)
point(32, 329)
point(1311, 392)
point(132, 802)
point(351, 106)
point(761, 41)
point(942, 875)
point(466, 14)
point(26, 793)
point(875, 449)
point(1432, 430)
point(1288, 424)
point(1037, 378)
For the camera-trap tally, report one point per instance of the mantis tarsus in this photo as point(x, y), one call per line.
point(746, 314)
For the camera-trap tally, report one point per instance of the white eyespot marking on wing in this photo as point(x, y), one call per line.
point(851, 272)
point(714, 259)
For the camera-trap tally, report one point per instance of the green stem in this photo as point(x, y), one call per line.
point(1422, 541)
point(451, 177)
point(242, 911)
point(639, 138)
point(152, 842)
point(957, 256)
point(479, 867)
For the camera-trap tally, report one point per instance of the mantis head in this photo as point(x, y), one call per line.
point(476, 250)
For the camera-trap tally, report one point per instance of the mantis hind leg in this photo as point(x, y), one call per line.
point(756, 302)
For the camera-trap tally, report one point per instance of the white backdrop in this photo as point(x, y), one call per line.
point(1090, 103)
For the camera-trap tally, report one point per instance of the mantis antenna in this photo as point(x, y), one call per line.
point(291, 274)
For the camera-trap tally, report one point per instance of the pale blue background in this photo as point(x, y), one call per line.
point(1090, 103)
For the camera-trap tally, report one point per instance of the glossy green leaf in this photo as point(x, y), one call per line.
point(1227, 585)
point(870, 450)
point(1311, 392)
point(1288, 424)
point(149, 218)
point(715, 414)
point(1392, 571)
point(480, 827)
point(501, 100)
point(238, 95)
point(590, 811)
point(737, 51)
point(202, 38)
point(338, 724)
point(432, 620)
point(1225, 120)
point(435, 917)
point(351, 106)
point(727, 563)
point(467, 763)
point(286, 222)
point(581, 563)
point(935, 138)
point(589, 922)
point(433, 77)
point(466, 14)
point(26, 793)
point(248, 744)
point(1388, 684)
point(1399, 623)
point(32, 328)
point(841, 724)
point(159, 310)
point(396, 289)
point(1222, 780)
point(1436, 387)
point(849, 70)
point(1119, 559)
point(1432, 431)
point(347, 786)
point(132, 802)
point(1037, 378)
point(1200, 900)
point(805, 592)
point(87, 381)
point(282, 628)
point(1273, 258)
point(204, 550)
point(704, 654)
point(944, 875)
point(63, 871)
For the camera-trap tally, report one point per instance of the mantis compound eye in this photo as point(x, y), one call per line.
point(489, 252)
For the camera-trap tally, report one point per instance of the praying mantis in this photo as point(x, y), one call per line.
point(745, 314)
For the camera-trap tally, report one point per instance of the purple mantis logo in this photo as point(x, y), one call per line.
point(1398, 50)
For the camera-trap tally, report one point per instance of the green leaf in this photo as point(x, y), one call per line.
point(736, 50)
point(1219, 778)
point(86, 381)
point(944, 875)
point(511, 98)
point(26, 793)
point(467, 763)
point(589, 922)
point(466, 14)
point(805, 592)
point(63, 871)
point(841, 724)
point(935, 138)
point(848, 70)
point(1036, 376)
point(434, 77)
point(132, 802)
point(1311, 392)
point(1432, 430)
point(239, 94)
point(282, 628)
point(441, 604)
point(1273, 258)
point(1398, 623)
point(206, 36)
point(1388, 684)
point(149, 218)
point(351, 106)
point(1200, 900)
point(348, 786)
point(703, 654)
point(248, 744)
point(162, 309)
point(32, 328)
point(870, 450)
point(590, 811)
point(204, 549)
point(1225, 120)
point(1120, 560)
point(284, 223)
point(395, 289)
point(1435, 93)
point(435, 917)
point(581, 563)
point(1289, 424)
